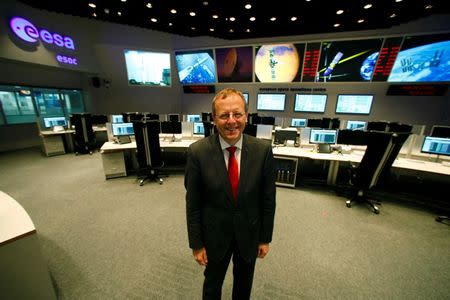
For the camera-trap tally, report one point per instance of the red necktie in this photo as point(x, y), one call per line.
point(233, 173)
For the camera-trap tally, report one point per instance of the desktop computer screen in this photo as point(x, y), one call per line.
point(356, 125)
point(55, 121)
point(283, 135)
point(193, 118)
point(298, 123)
point(436, 145)
point(199, 128)
point(119, 129)
point(116, 118)
point(323, 136)
point(171, 127)
point(264, 131)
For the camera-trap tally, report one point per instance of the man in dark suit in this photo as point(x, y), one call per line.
point(230, 198)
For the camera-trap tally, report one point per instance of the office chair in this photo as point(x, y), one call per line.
point(250, 129)
point(376, 160)
point(84, 134)
point(209, 128)
point(148, 151)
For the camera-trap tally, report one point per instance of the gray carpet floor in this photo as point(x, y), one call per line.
point(114, 239)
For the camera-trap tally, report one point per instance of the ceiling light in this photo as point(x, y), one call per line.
point(392, 16)
point(340, 12)
point(94, 15)
point(149, 5)
point(232, 19)
point(308, 0)
point(174, 11)
point(248, 6)
point(92, 5)
point(337, 25)
point(211, 29)
point(367, 6)
point(124, 0)
point(231, 30)
point(192, 28)
point(119, 13)
point(106, 10)
point(252, 19)
point(294, 19)
point(273, 19)
point(247, 30)
point(205, 3)
point(170, 24)
point(398, 0)
point(154, 20)
point(428, 6)
point(192, 14)
point(360, 20)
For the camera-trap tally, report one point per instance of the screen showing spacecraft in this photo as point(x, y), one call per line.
point(196, 67)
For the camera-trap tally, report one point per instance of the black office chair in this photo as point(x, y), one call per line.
point(250, 129)
point(84, 139)
point(376, 159)
point(209, 128)
point(148, 151)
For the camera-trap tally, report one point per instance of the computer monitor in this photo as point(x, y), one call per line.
point(298, 122)
point(116, 118)
point(174, 117)
point(314, 123)
point(377, 126)
point(283, 135)
point(199, 129)
point(119, 129)
point(99, 119)
point(274, 102)
point(436, 145)
point(264, 131)
point(245, 97)
point(352, 137)
point(310, 103)
point(55, 121)
point(440, 131)
point(171, 127)
point(356, 125)
point(323, 136)
point(193, 118)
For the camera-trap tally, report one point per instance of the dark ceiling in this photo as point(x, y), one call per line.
point(230, 19)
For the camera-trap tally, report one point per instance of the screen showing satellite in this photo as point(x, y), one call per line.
point(196, 67)
point(424, 58)
point(348, 60)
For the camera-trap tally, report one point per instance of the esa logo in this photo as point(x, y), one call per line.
point(27, 32)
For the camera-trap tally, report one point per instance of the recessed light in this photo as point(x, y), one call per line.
point(429, 6)
point(192, 28)
point(92, 5)
point(273, 19)
point(174, 11)
point(149, 5)
point(192, 14)
point(94, 15)
point(367, 6)
point(119, 13)
point(248, 6)
point(232, 19)
point(398, 0)
point(340, 12)
point(294, 19)
point(215, 16)
point(170, 24)
point(211, 29)
point(205, 3)
point(392, 16)
point(252, 19)
point(337, 25)
point(231, 30)
point(154, 20)
point(247, 30)
point(360, 20)
point(124, 0)
point(106, 10)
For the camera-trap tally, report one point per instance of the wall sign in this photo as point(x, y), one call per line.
point(27, 32)
point(417, 90)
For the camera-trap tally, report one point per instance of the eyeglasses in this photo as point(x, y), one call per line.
point(227, 116)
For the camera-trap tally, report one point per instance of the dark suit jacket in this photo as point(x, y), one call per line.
point(212, 216)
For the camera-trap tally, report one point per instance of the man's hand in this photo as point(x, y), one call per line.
point(263, 249)
point(200, 256)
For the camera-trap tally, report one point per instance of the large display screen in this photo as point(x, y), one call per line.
point(274, 102)
point(278, 62)
point(424, 58)
point(234, 64)
point(196, 67)
point(310, 103)
point(354, 104)
point(386, 58)
point(311, 62)
point(148, 68)
point(352, 60)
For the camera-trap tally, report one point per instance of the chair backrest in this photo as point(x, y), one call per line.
point(398, 139)
point(148, 152)
point(209, 128)
point(250, 129)
point(379, 148)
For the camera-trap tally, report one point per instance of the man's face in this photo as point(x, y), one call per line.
point(230, 118)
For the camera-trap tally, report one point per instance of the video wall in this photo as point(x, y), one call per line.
point(420, 58)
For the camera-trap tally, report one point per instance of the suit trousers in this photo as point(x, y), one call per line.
point(215, 273)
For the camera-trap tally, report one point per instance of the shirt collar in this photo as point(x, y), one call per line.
point(224, 144)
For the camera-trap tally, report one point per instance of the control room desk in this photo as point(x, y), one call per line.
point(113, 155)
point(56, 142)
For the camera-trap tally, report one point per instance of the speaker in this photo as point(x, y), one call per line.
point(96, 82)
